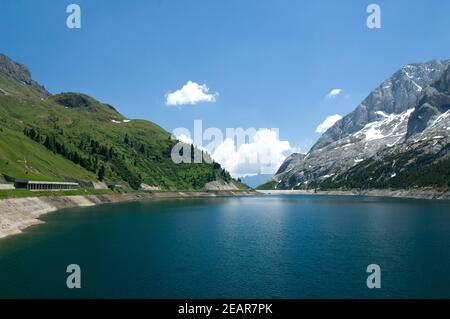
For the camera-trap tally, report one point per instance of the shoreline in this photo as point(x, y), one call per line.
point(399, 193)
point(17, 214)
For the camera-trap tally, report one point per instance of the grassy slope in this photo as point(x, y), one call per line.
point(75, 121)
point(21, 157)
point(21, 193)
point(267, 186)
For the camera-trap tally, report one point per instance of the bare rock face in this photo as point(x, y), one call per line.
point(99, 185)
point(220, 186)
point(394, 96)
point(290, 162)
point(146, 187)
point(432, 113)
point(20, 73)
point(410, 107)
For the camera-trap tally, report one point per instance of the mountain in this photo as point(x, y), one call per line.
point(256, 180)
point(19, 73)
point(432, 113)
point(394, 96)
point(398, 131)
point(73, 137)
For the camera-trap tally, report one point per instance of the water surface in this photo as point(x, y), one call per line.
point(291, 246)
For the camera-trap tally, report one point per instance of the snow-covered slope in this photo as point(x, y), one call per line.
point(395, 95)
point(403, 113)
point(387, 131)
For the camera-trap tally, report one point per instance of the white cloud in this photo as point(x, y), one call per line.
point(184, 138)
point(333, 93)
point(329, 122)
point(263, 155)
point(191, 93)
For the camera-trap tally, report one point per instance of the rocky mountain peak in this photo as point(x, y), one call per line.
point(433, 108)
point(395, 95)
point(290, 161)
point(409, 113)
point(20, 73)
point(443, 83)
point(84, 102)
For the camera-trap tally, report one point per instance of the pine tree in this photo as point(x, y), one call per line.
point(192, 153)
point(101, 173)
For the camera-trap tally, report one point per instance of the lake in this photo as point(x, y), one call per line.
point(287, 246)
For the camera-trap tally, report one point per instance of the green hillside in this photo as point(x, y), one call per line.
point(267, 186)
point(73, 137)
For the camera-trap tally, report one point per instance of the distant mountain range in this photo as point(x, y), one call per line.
point(255, 180)
point(73, 137)
point(398, 137)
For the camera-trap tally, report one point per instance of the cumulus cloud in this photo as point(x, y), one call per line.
point(333, 93)
point(191, 93)
point(329, 122)
point(263, 155)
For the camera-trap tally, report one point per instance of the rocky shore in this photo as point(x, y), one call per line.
point(17, 214)
point(403, 193)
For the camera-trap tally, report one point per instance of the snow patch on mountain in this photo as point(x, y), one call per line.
point(379, 125)
point(390, 125)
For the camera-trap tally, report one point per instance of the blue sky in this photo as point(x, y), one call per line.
point(272, 62)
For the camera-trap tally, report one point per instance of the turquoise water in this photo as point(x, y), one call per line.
point(245, 247)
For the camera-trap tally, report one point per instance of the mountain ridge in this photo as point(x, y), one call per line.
point(20, 73)
point(394, 95)
point(73, 137)
point(410, 133)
